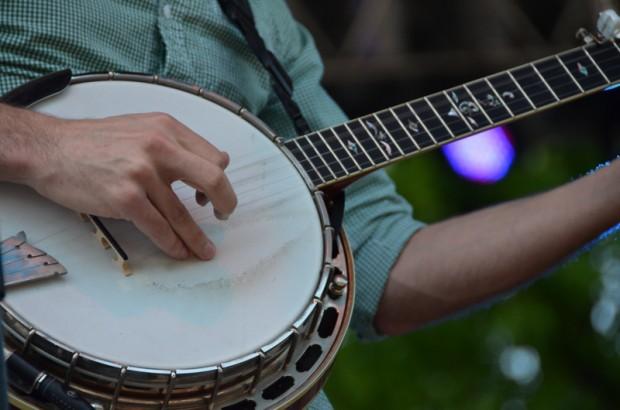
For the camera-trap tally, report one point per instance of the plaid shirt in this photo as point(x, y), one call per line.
point(192, 41)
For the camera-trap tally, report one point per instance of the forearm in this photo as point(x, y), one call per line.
point(24, 137)
point(465, 260)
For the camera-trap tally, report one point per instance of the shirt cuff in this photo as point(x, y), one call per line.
point(377, 256)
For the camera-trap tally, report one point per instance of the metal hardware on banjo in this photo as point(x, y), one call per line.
point(259, 326)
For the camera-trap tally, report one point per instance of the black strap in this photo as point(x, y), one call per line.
point(240, 13)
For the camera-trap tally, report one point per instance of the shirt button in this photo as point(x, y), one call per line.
point(167, 9)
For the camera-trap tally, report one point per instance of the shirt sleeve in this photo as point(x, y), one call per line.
point(377, 220)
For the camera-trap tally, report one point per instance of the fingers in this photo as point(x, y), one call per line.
point(203, 149)
point(180, 220)
point(191, 141)
point(196, 144)
point(151, 222)
point(208, 178)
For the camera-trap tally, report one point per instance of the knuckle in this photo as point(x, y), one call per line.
point(129, 199)
point(159, 231)
point(178, 215)
point(139, 171)
point(156, 143)
point(168, 239)
point(197, 237)
point(223, 159)
point(164, 119)
point(216, 180)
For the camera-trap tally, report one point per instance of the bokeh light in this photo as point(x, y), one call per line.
point(484, 158)
point(520, 364)
point(604, 313)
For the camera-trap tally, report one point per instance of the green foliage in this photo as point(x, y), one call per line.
point(455, 364)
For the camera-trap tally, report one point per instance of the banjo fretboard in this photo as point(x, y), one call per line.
point(363, 144)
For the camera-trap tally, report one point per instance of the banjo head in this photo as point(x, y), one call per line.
point(227, 325)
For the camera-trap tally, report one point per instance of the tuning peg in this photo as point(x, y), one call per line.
point(608, 24)
point(587, 37)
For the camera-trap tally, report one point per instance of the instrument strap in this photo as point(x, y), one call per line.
point(240, 13)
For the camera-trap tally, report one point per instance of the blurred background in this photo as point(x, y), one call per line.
point(552, 345)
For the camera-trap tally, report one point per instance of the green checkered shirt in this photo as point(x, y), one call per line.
point(192, 41)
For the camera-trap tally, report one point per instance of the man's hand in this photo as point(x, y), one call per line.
point(121, 167)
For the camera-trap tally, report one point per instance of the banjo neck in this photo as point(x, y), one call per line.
point(337, 154)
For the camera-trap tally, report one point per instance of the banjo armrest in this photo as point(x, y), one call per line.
point(38, 89)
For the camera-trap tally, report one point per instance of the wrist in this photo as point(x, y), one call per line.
point(606, 191)
point(614, 185)
point(31, 140)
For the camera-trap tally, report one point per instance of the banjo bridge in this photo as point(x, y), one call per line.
point(23, 263)
point(107, 241)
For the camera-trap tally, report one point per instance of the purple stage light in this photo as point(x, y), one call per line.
point(484, 158)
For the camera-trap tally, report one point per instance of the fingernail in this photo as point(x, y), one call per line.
point(208, 251)
point(220, 215)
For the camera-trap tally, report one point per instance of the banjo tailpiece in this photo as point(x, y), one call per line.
point(23, 263)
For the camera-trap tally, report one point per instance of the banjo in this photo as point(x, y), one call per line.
point(258, 326)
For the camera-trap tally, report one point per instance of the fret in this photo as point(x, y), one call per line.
point(607, 56)
point(382, 136)
point(585, 50)
point(397, 131)
point(420, 122)
point(352, 146)
point(368, 143)
point(337, 146)
point(545, 82)
point(527, 97)
point(430, 120)
point(315, 159)
point(488, 99)
point(299, 155)
point(450, 115)
point(480, 107)
point(443, 123)
point(537, 92)
point(328, 156)
point(389, 134)
point(499, 97)
point(318, 155)
point(569, 73)
point(581, 67)
point(466, 103)
point(376, 135)
point(510, 93)
point(456, 109)
point(409, 129)
point(409, 119)
point(557, 77)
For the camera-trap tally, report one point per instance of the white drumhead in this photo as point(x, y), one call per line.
point(171, 314)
